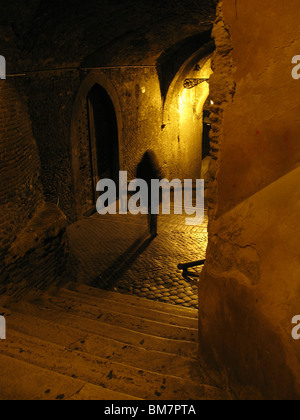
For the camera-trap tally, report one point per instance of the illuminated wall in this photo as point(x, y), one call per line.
point(183, 122)
point(249, 290)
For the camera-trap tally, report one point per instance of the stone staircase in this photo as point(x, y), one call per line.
point(81, 343)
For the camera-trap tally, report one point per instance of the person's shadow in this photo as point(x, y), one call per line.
point(109, 278)
point(147, 170)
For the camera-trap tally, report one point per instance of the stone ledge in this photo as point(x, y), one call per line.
point(47, 223)
point(39, 255)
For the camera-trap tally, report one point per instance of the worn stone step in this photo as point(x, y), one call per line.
point(109, 375)
point(126, 308)
point(136, 301)
point(63, 328)
point(130, 322)
point(20, 380)
point(156, 361)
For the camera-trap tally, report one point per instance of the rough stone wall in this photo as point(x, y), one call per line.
point(222, 90)
point(260, 123)
point(249, 290)
point(20, 189)
point(50, 97)
point(32, 232)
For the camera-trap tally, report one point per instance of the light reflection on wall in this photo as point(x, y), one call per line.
point(184, 104)
point(183, 121)
point(195, 98)
point(190, 110)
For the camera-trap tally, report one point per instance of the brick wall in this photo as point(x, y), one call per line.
point(32, 233)
point(20, 187)
point(50, 99)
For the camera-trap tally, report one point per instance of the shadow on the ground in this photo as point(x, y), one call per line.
point(116, 253)
point(109, 278)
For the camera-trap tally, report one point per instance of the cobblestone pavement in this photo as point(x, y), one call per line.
point(115, 252)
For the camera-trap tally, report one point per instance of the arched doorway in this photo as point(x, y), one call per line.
point(206, 151)
point(184, 116)
point(206, 129)
point(96, 139)
point(103, 136)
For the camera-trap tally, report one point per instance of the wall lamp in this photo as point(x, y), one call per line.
point(191, 83)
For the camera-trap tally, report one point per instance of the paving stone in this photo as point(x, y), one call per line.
point(152, 274)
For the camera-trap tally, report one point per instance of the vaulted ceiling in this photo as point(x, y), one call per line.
point(102, 32)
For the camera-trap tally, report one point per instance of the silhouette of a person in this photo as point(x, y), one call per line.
point(148, 169)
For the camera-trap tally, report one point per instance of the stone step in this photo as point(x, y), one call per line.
point(108, 345)
point(63, 328)
point(136, 301)
point(136, 309)
point(143, 359)
point(20, 380)
point(109, 375)
point(108, 317)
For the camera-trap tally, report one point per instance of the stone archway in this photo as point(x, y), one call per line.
point(103, 136)
point(85, 149)
point(183, 113)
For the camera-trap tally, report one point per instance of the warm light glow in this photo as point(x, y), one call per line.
point(212, 102)
point(184, 102)
point(203, 94)
point(191, 101)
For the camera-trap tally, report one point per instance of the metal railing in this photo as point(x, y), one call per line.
point(185, 268)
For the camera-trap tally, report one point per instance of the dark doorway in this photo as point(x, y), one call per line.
point(206, 129)
point(103, 132)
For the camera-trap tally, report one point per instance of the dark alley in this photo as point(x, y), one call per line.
point(149, 201)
